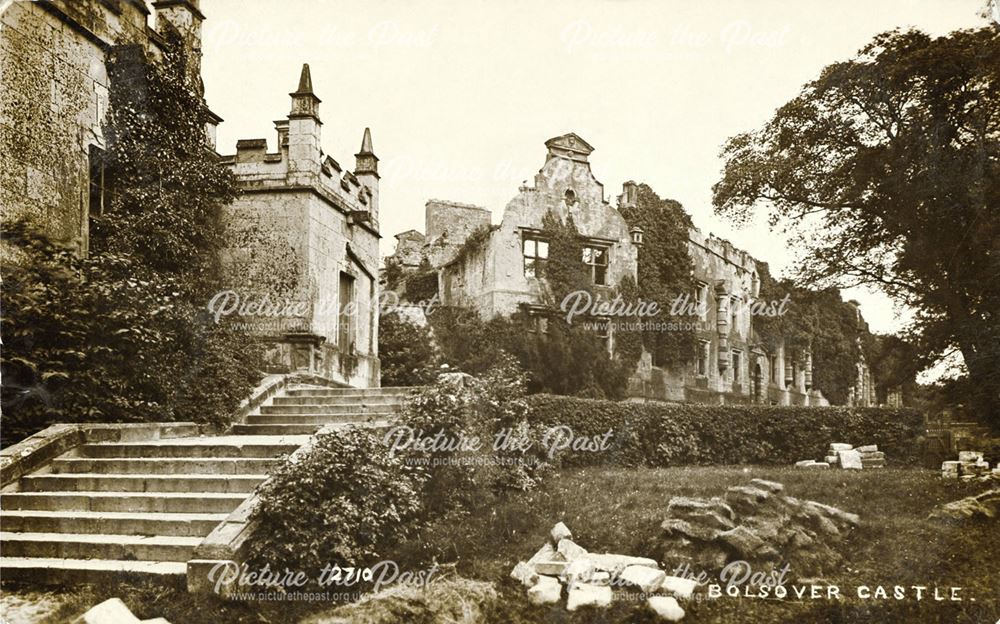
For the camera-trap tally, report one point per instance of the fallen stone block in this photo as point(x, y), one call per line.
point(839, 446)
point(744, 541)
point(697, 530)
point(614, 564)
point(560, 532)
point(111, 611)
point(646, 579)
point(833, 460)
point(581, 569)
point(682, 505)
point(985, 506)
point(872, 455)
point(524, 574)
point(568, 549)
point(771, 486)
point(545, 553)
point(850, 460)
point(547, 590)
point(868, 448)
point(666, 607)
point(838, 515)
point(811, 463)
point(970, 456)
point(550, 568)
point(680, 587)
point(872, 463)
point(587, 595)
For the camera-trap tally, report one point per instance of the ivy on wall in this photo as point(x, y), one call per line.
point(665, 273)
point(125, 334)
point(816, 321)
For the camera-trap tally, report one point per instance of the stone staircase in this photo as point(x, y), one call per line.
point(111, 508)
point(305, 410)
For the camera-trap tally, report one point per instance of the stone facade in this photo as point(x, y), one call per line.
point(304, 237)
point(731, 365)
point(495, 278)
point(53, 66)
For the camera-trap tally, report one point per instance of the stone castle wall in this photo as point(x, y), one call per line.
point(53, 105)
point(300, 227)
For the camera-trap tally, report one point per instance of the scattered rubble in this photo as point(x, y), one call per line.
point(589, 577)
point(970, 466)
point(754, 523)
point(847, 457)
point(985, 506)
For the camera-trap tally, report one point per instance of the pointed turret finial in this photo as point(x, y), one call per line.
point(366, 143)
point(304, 101)
point(305, 80)
point(366, 160)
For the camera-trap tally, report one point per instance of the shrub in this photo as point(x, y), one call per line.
point(662, 434)
point(462, 407)
point(100, 340)
point(406, 352)
point(345, 501)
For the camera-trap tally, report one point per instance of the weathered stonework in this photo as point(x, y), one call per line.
point(54, 100)
point(303, 235)
point(491, 277)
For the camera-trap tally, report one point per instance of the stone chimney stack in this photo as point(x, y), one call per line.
point(304, 132)
point(185, 17)
point(366, 170)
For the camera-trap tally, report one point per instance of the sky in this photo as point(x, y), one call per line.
point(460, 95)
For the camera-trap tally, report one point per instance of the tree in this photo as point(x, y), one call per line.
point(406, 352)
point(885, 168)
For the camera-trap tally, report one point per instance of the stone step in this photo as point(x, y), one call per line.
point(98, 546)
point(253, 429)
point(124, 523)
point(313, 419)
point(152, 449)
point(163, 465)
point(44, 571)
point(390, 399)
point(352, 392)
point(161, 502)
point(93, 482)
point(334, 410)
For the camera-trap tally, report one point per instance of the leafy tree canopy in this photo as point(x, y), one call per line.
point(886, 170)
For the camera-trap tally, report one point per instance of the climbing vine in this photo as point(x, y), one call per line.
point(124, 334)
point(665, 272)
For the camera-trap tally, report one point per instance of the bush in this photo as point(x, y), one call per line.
point(100, 340)
point(464, 408)
point(406, 353)
point(345, 501)
point(662, 434)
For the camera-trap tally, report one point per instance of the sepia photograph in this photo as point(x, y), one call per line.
point(499, 311)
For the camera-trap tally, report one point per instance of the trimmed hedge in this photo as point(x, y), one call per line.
point(668, 434)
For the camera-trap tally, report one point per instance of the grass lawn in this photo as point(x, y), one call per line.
point(620, 510)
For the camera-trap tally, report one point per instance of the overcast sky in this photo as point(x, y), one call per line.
point(461, 95)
